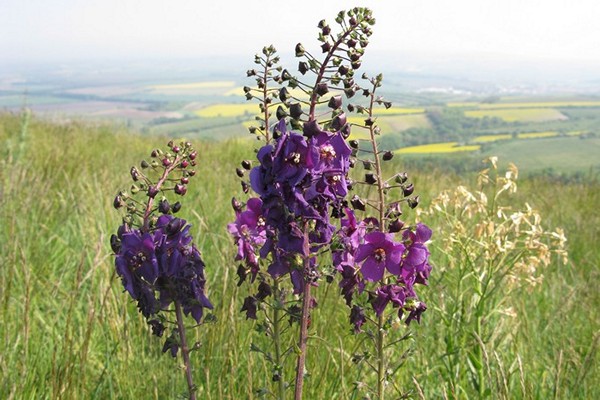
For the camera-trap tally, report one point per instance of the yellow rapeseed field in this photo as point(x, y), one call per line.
point(492, 138)
point(535, 135)
point(228, 110)
point(447, 147)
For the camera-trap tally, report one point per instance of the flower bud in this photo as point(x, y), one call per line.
point(236, 205)
point(367, 165)
point(239, 172)
point(413, 202)
point(388, 155)
point(245, 187)
point(118, 202)
point(401, 177)
point(351, 43)
point(192, 173)
point(395, 226)
point(180, 189)
point(176, 149)
point(115, 243)
point(251, 72)
point(408, 190)
point(280, 113)
point(144, 164)
point(345, 131)
point(246, 164)
point(284, 94)
point(370, 179)
point(300, 50)
point(193, 155)
point(185, 180)
point(343, 70)
point(353, 143)
point(335, 102)
point(296, 110)
point(152, 191)
point(357, 203)
point(322, 89)
point(184, 164)
point(325, 47)
point(302, 67)
point(164, 206)
point(338, 122)
point(135, 175)
point(176, 207)
point(166, 162)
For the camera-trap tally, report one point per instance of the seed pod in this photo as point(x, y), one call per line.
point(370, 179)
point(388, 155)
point(357, 203)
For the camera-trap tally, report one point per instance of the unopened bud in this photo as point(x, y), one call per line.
point(302, 67)
point(176, 207)
point(388, 155)
point(180, 189)
point(239, 172)
point(322, 89)
point(246, 164)
point(300, 50)
point(335, 102)
point(408, 190)
point(395, 226)
point(164, 206)
point(370, 179)
point(413, 202)
point(236, 205)
point(296, 110)
point(357, 203)
point(401, 177)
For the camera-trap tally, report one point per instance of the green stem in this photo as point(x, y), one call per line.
point(380, 359)
point(185, 351)
point(303, 339)
point(277, 340)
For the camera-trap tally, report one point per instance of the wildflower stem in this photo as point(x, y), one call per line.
point(159, 184)
point(185, 351)
point(380, 359)
point(303, 319)
point(303, 338)
point(277, 340)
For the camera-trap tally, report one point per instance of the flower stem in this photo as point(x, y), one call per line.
point(303, 338)
point(277, 340)
point(380, 359)
point(185, 351)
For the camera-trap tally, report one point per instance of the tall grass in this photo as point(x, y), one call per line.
point(68, 330)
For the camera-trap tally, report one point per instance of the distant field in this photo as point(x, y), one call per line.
point(228, 110)
point(195, 85)
point(24, 100)
point(565, 154)
point(447, 147)
point(399, 110)
point(519, 114)
point(492, 138)
point(541, 104)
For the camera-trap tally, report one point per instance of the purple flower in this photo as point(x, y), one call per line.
point(250, 306)
point(384, 295)
point(357, 318)
point(136, 259)
point(378, 253)
point(415, 264)
point(249, 232)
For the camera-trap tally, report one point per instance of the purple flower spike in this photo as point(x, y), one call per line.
point(379, 252)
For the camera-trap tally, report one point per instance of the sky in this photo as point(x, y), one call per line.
point(54, 30)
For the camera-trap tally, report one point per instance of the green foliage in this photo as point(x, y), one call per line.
point(68, 333)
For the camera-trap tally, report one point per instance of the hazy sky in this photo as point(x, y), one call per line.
point(120, 29)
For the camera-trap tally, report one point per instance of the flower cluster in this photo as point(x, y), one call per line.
point(365, 253)
point(299, 180)
point(154, 255)
point(162, 266)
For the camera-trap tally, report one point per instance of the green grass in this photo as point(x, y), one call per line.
point(563, 154)
point(518, 114)
point(68, 330)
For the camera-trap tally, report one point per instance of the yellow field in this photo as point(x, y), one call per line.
point(447, 147)
point(228, 110)
point(542, 104)
point(535, 135)
point(492, 138)
point(239, 91)
point(399, 110)
point(519, 114)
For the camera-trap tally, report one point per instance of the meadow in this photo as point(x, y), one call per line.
point(70, 332)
